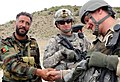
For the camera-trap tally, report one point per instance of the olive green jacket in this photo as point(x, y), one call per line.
point(20, 59)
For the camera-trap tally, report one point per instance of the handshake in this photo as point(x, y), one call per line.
point(96, 59)
point(48, 74)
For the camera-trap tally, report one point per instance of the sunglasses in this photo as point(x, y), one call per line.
point(62, 22)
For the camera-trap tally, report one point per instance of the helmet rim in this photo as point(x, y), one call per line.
point(90, 6)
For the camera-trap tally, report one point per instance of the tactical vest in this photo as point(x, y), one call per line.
point(29, 55)
point(110, 47)
point(96, 74)
point(78, 41)
point(67, 44)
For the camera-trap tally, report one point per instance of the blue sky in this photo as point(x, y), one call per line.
point(9, 8)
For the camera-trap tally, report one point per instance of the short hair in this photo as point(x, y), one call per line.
point(25, 14)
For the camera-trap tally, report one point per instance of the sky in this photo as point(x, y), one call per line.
point(10, 8)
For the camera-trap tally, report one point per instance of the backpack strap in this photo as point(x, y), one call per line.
point(66, 43)
point(33, 45)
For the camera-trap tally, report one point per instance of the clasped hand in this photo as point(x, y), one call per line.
point(48, 74)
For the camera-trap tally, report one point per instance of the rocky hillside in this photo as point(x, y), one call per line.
point(42, 26)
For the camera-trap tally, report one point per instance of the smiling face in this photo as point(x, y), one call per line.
point(65, 25)
point(22, 25)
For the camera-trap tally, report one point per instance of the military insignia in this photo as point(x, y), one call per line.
point(4, 49)
point(64, 14)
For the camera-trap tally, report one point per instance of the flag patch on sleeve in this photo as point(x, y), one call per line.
point(4, 49)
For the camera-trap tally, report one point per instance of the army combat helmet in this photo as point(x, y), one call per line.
point(92, 6)
point(63, 14)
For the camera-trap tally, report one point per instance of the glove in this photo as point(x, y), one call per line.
point(79, 70)
point(99, 59)
point(68, 54)
point(82, 65)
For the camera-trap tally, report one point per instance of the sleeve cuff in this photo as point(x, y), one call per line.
point(31, 72)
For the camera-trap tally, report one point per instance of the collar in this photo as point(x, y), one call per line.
point(21, 41)
point(103, 39)
point(71, 38)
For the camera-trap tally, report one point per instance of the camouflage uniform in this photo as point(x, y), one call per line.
point(107, 45)
point(56, 54)
point(53, 58)
point(93, 74)
point(20, 60)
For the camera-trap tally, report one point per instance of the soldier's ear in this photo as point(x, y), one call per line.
point(99, 11)
point(56, 24)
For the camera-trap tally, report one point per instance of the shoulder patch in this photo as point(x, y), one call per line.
point(4, 49)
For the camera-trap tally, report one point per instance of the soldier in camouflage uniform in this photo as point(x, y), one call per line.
point(103, 63)
point(58, 56)
point(20, 54)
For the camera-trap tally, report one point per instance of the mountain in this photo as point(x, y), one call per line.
point(42, 26)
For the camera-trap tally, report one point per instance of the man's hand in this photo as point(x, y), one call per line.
point(54, 74)
point(43, 74)
point(69, 54)
point(99, 59)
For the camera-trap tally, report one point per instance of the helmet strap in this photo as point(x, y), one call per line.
point(96, 31)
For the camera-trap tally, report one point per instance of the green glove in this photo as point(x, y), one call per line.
point(99, 59)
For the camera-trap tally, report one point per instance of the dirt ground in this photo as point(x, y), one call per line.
point(42, 43)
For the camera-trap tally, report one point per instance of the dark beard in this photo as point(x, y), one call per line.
point(19, 33)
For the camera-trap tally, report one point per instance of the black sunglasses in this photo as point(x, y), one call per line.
point(62, 22)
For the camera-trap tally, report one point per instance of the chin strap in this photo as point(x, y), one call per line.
point(96, 31)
